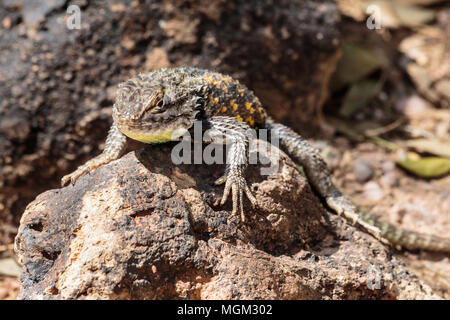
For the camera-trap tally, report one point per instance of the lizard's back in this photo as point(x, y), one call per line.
point(221, 94)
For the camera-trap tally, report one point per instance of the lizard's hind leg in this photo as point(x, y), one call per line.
point(115, 144)
point(234, 132)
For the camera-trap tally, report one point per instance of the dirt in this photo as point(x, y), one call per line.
point(9, 288)
point(402, 199)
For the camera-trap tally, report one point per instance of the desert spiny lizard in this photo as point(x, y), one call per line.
point(162, 105)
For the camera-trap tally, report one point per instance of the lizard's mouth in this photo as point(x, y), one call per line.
point(156, 128)
point(153, 136)
point(155, 132)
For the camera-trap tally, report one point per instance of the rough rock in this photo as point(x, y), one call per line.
point(142, 228)
point(57, 84)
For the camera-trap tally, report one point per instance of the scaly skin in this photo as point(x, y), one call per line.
point(162, 105)
point(319, 176)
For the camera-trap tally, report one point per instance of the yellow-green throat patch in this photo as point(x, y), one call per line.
point(159, 136)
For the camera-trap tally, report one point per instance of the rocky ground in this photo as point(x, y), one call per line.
point(57, 87)
point(139, 228)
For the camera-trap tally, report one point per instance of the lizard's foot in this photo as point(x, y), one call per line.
point(85, 168)
point(236, 183)
point(72, 177)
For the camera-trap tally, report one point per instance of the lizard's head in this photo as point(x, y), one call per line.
point(151, 108)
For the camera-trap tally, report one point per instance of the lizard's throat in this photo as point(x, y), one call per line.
point(153, 135)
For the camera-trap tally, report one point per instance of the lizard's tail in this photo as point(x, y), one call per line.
point(319, 176)
point(385, 232)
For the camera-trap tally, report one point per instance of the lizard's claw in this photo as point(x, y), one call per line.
point(237, 185)
point(85, 168)
point(65, 180)
point(72, 177)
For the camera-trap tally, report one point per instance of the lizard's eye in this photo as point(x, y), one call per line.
point(158, 107)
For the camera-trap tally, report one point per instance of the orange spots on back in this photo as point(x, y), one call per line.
point(250, 121)
point(227, 97)
point(248, 106)
point(233, 104)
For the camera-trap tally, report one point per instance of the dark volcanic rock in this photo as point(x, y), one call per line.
point(57, 85)
point(142, 228)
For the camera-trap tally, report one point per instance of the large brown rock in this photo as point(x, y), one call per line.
point(142, 228)
point(57, 85)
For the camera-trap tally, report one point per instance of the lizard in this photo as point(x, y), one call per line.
point(161, 105)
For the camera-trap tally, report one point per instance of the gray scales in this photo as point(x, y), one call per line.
point(161, 105)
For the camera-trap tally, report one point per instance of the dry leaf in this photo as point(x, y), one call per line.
point(391, 13)
point(430, 68)
point(433, 146)
point(428, 167)
point(356, 63)
point(358, 96)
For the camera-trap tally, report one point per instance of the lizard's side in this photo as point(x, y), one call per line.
point(162, 105)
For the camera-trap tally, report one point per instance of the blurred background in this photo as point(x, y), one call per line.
point(367, 81)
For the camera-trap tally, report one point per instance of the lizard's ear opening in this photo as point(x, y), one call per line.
point(199, 114)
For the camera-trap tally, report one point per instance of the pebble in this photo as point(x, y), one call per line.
point(389, 179)
point(388, 166)
point(362, 170)
point(373, 191)
point(3, 293)
point(6, 23)
point(413, 105)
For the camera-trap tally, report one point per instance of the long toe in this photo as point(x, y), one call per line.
point(235, 198)
point(221, 180)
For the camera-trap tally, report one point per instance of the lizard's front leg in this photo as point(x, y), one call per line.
point(233, 132)
point(115, 144)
